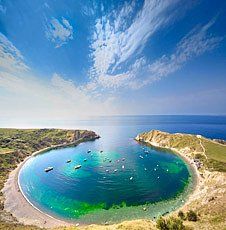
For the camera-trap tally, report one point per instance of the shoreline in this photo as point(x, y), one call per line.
point(14, 198)
point(195, 172)
point(31, 215)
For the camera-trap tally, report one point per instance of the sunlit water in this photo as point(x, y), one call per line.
point(122, 182)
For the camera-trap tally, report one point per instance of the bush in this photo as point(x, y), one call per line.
point(181, 215)
point(192, 216)
point(171, 223)
point(161, 224)
point(175, 224)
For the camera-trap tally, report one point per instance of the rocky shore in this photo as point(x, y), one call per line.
point(208, 198)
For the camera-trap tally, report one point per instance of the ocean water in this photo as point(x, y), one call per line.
point(122, 182)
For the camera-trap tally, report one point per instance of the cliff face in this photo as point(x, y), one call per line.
point(85, 135)
point(166, 140)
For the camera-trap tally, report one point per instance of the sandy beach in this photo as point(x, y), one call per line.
point(17, 204)
point(26, 213)
point(20, 207)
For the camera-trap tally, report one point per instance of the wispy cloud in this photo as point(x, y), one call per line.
point(121, 42)
point(10, 57)
point(194, 44)
point(2, 8)
point(59, 32)
point(24, 94)
point(122, 35)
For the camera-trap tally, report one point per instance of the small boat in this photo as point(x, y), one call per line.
point(89, 151)
point(48, 169)
point(107, 170)
point(123, 166)
point(155, 169)
point(131, 178)
point(145, 169)
point(68, 161)
point(85, 160)
point(123, 159)
point(78, 166)
point(115, 170)
point(141, 157)
point(101, 151)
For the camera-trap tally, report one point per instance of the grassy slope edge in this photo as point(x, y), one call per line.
point(17, 144)
point(209, 157)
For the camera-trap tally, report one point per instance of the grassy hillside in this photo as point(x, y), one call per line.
point(216, 155)
point(211, 153)
point(17, 144)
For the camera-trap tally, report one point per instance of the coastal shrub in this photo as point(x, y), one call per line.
point(161, 224)
point(175, 224)
point(181, 215)
point(171, 223)
point(192, 216)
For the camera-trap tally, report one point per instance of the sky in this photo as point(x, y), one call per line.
point(73, 59)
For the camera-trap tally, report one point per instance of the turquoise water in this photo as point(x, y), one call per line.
point(113, 185)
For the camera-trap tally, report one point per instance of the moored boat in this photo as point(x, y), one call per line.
point(78, 166)
point(48, 169)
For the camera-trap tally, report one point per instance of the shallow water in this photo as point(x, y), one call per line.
point(159, 181)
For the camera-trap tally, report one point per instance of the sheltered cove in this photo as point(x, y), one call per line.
point(43, 220)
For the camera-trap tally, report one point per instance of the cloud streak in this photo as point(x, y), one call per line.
point(59, 32)
point(10, 57)
point(194, 44)
point(24, 94)
point(116, 42)
point(113, 47)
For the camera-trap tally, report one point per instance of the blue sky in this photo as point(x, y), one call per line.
point(72, 59)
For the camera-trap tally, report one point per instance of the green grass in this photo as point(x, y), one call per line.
point(215, 151)
point(216, 156)
point(17, 144)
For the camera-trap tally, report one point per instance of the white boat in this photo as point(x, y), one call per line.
point(78, 166)
point(48, 169)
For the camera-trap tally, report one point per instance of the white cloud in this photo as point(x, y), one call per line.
point(59, 32)
point(10, 57)
point(24, 95)
point(194, 44)
point(118, 37)
point(112, 47)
